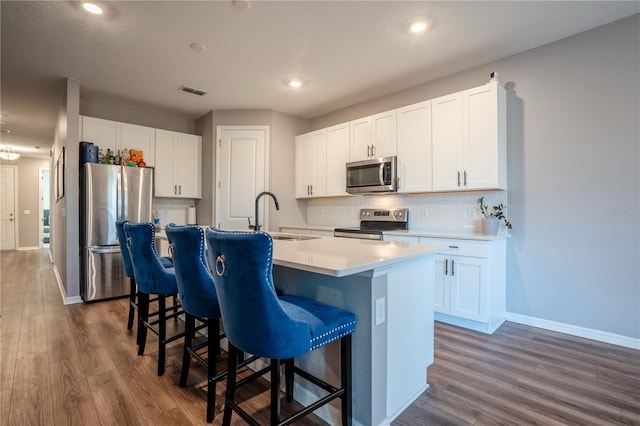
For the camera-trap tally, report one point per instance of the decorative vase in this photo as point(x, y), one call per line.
point(490, 225)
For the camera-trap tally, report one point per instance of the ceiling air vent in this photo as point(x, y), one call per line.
point(192, 90)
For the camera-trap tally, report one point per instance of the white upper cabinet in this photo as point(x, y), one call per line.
point(178, 170)
point(103, 133)
point(455, 142)
point(484, 136)
point(469, 139)
point(446, 139)
point(414, 147)
point(311, 164)
point(337, 158)
point(373, 136)
point(115, 135)
point(140, 138)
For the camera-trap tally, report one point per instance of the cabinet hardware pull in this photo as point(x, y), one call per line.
point(175, 189)
point(368, 151)
point(458, 178)
point(453, 271)
point(311, 189)
point(465, 178)
point(446, 266)
point(454, 247)
point(373, 150)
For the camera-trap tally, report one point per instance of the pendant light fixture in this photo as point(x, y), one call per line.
point(8, 153)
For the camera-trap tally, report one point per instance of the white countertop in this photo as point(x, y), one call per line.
point(339, 257)
point(448, 235)
point(412, 233)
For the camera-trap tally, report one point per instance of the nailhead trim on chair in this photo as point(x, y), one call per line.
point(339, 336)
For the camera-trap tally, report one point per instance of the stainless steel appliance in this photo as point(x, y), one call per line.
point(373, 222)
point(109, 193)
point(373, 176)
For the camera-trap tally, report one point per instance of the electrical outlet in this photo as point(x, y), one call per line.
point(471, 213)
point(380, 311)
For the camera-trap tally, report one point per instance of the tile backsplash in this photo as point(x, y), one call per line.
point(172, 210)
point(446, 212)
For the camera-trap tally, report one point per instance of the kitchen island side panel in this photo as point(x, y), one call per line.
point(390, 354)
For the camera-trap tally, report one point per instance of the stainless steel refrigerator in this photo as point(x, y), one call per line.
point(109, 193)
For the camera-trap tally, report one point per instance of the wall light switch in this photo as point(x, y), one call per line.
point(27, 212)
point(380, 311)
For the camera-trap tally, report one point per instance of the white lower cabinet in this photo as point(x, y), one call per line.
point(469, 281)
point(460, 287)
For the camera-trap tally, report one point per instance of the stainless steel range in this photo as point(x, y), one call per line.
point(374, 221)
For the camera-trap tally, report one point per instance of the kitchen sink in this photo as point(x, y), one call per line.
point(286, 237)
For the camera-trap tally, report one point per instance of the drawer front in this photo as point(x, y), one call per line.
point(459, 247)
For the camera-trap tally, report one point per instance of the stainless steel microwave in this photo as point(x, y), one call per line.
point(377, 175)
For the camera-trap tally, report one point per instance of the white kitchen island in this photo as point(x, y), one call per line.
point(389, 287)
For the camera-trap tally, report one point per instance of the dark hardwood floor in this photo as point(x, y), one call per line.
point(77, 365)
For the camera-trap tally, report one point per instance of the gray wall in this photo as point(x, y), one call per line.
point(29, 199)
point(133, 115)
point(574, 202)
point(282, 131)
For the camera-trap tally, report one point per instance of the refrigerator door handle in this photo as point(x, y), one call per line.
point(105, 250)
point(120, 197)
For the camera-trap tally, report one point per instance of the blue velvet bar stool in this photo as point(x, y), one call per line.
point(259, 322)
point(199, 301)
point(152, 278)
point(128, 270)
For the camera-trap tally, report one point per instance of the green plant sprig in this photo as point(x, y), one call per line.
point(497, 213)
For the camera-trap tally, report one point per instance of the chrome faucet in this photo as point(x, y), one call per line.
point(257, 226)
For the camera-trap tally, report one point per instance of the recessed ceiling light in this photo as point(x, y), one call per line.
point(242, 4)
point(418, 27)
point(295, 83)
point(198, 47)
point(92, 8)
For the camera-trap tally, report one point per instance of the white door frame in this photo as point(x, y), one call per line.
point(41, 208)
point(15, 203)
point(219, 130)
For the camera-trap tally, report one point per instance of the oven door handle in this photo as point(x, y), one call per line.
point(357, 235)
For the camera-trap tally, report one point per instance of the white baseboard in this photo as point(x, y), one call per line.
point(588, 333)
point(66, 300)
point(28, 248)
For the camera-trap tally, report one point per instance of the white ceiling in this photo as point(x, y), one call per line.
point(347, 52)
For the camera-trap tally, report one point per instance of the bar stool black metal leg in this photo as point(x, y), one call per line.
point(345, 379)
point(143, 316)
point(162, 333)
point(232, 367)
point(189, 326)
point(213, 346)
point(132, 302)
point(288, 379)
point(275, 392)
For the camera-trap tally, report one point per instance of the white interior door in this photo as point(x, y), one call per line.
point(241, 174)
point(7, 208)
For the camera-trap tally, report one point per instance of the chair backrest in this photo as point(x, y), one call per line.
point(254, 320)
point(198, 295)
point(151, 276)
point(122, 240)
